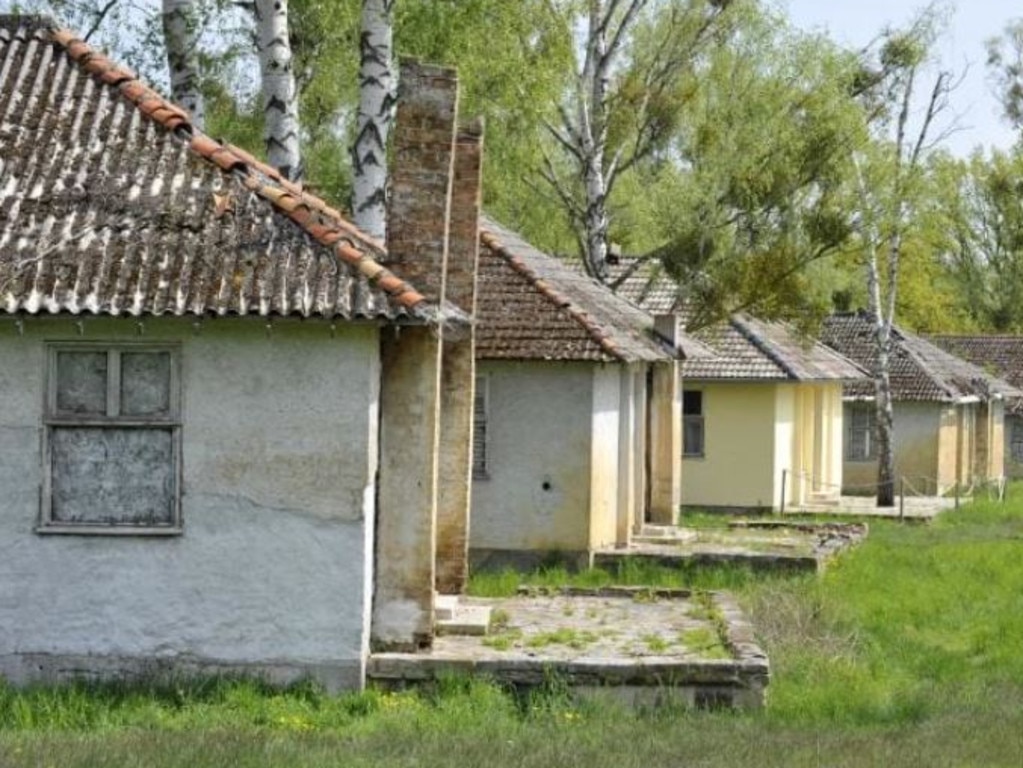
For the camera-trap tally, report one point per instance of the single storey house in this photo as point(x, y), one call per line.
point(1002, 356)
point(949, 414)
point(762, 416)
point(577, 431)
point(221, 410)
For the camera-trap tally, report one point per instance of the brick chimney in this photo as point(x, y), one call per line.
point(410, 389)
point(422, 175)
point(458, 375)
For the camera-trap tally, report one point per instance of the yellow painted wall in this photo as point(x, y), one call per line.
point(817, 459)
point(756, 431)
point(787, 441)
point(737, 469)
point(948, 448)
point(996, 440)
point(967, 447)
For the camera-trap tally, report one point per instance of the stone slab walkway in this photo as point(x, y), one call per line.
point(920, 509)
point(635, 645)
point(764, 546)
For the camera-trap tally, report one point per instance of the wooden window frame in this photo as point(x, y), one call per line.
point(52, 420)
point(871, 434)
point(694, 418)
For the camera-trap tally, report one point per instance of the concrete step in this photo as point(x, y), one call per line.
point(824, 499)
point(451, 617)
point(663, 534)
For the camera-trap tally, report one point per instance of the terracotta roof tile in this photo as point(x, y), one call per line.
point(112, 203)
point(531, 306)
point(744, 347)
point(919, 370)
point(1001, 356)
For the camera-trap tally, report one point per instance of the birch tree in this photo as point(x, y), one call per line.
point(277, 86)
point(373, 122)
point(751, 198)
point(180, 27)
point(1005, 62)
point(887, 179)
point(617, 77)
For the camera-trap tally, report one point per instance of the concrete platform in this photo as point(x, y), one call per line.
point(919, 509)
point(764, 546)
point(637, 646)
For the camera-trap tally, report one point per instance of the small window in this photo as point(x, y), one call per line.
point(479, 429)
point(861, 444)
point(692, 423)
point(112, 440)
point(1016, 439)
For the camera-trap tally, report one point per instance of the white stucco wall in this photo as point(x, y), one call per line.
point(607, 472)
point(273, 571)
point(537, 493)
point(917, 427)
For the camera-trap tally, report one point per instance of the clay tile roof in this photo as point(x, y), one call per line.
point(1001, 356)
point(111, 202)
point(745, 348)
point(750, 349)
point(531, 306)
point(645, 284)
point(919, 370)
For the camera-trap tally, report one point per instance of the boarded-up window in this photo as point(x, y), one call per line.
point(860, 444)
point(479, 429)
point(112, 440)
point(692, 424)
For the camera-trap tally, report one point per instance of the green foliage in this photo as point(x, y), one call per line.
point(514, 62)
point(983, 247)
point(1005, 62)
point(753, 192)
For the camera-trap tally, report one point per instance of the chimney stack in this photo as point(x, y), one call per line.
point(421, 179)
point(410, 381)
point(458, 374)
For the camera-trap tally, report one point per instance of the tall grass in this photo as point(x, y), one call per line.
point(906, 652)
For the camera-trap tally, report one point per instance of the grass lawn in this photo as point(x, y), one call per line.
point(908, 651)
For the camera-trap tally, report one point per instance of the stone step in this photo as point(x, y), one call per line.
point(824, 501)
point(663, 534)
point(451, 617)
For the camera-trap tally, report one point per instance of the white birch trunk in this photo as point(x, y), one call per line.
point(884, 416)
point(280, 99)
point(592, 119)
point(373, 123)
point(180, 34)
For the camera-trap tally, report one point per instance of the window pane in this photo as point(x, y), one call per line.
point(82, 383)
point(692, 436)
point(692, 403)
point(145, 383)
point(108, 476)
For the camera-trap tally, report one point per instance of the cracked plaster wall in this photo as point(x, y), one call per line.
point(273, 570)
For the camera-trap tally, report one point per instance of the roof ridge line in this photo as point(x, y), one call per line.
point(761, 345)
point(936, 378)
point(493, 242)
point(319, 220)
